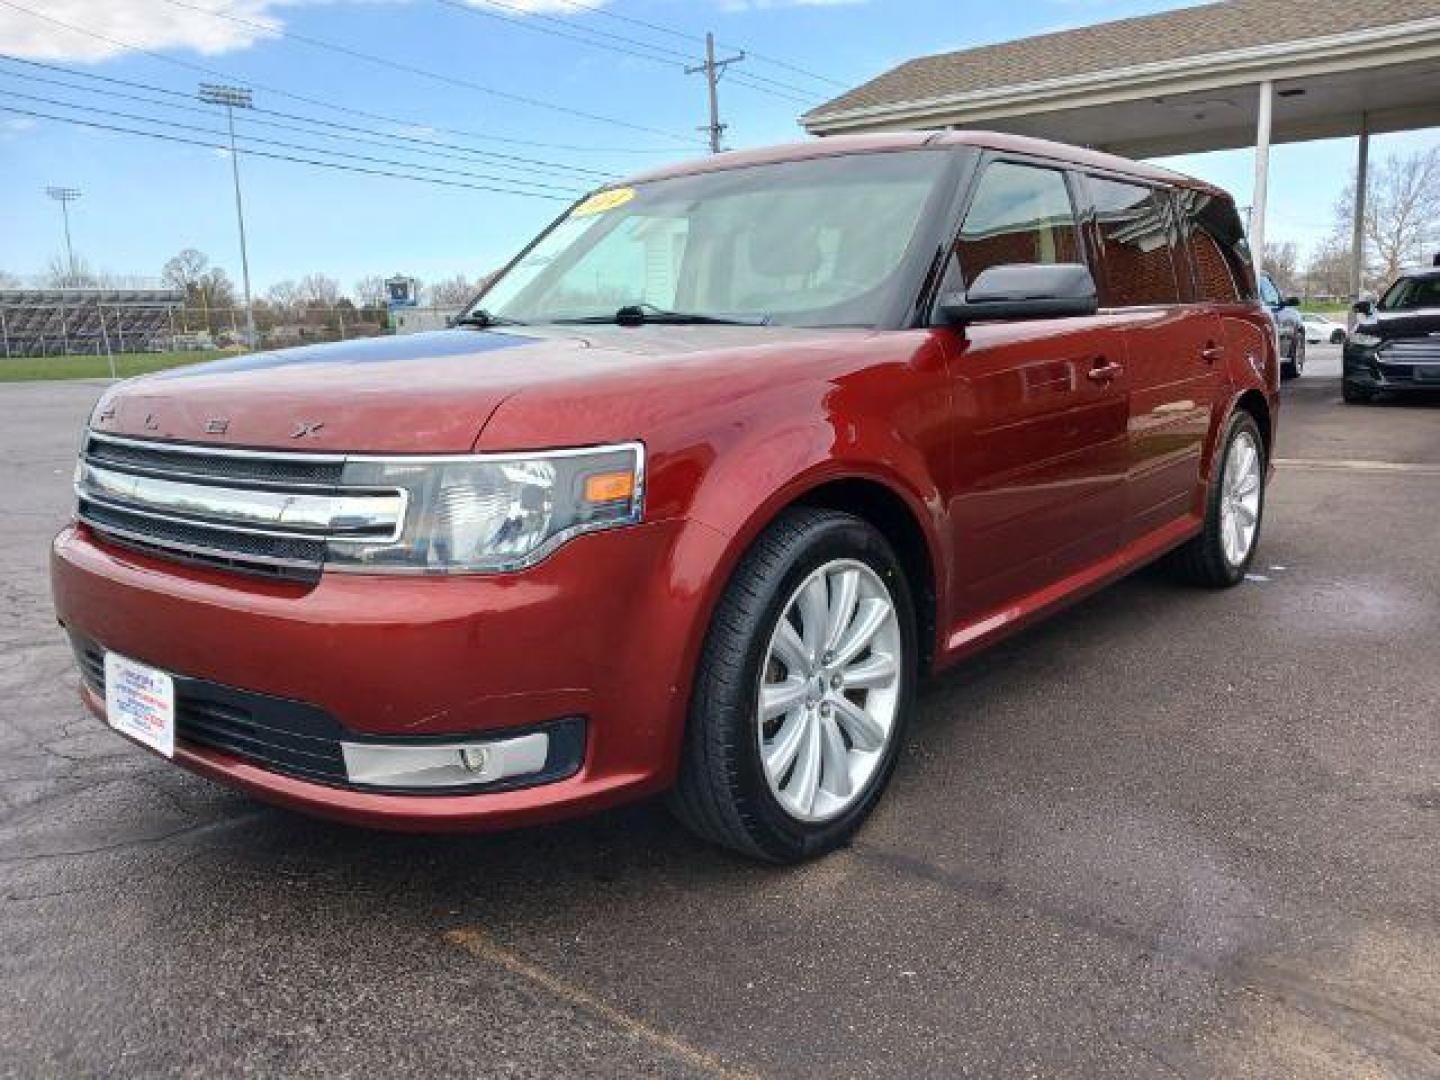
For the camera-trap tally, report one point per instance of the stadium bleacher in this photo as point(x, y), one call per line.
point(47, 322)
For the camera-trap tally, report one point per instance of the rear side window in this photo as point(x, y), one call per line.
point(1020, 214)
point(1218, 248)
point(1140, 242)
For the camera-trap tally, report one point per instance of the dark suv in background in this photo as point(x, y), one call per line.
point(1396, 342)
point(1289, 326)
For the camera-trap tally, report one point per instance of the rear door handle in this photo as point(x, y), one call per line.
point(1104, 370)
point(1212, 352)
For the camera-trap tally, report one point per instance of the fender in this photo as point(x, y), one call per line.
point(763, 475)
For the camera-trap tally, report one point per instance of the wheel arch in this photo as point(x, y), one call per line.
point(883, 508)
point(1252, 401)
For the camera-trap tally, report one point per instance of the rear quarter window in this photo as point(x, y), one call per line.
point(1139, 242)
point(1218, 249)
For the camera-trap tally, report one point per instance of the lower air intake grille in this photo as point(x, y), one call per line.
point(277, 734)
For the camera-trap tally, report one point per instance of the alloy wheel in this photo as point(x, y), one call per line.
point(829, 690)
point(1240, 498)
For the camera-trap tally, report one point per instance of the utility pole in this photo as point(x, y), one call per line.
point(713, 69)
point(65, 196)
point(235, 97)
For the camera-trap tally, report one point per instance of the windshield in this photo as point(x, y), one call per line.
point(1410, 294)
point(803, 243)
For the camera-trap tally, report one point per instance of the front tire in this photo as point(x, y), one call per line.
point(803, 693)
point(1234, 509)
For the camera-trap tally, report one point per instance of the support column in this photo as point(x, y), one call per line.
point(1357, 237)
point(1262, 174)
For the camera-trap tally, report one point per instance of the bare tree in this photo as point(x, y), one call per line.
point(284, 296)
point(1402, 214)
point(319, 290)
point(184, 269)
point(452, 292)
point(370, 291)
point(1328, 271)
point(59, 274)
point(1280, 264)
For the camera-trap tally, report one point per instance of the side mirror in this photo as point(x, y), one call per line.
point(1290, 301)
point(1363, 307)
point(1023, 291)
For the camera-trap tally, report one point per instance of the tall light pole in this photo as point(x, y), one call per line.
point(235, 97)
point(65, 196)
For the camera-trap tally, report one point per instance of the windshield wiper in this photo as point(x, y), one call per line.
point(482, 319)
point(640, 314)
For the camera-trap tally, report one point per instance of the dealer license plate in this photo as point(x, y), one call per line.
point(140, 703)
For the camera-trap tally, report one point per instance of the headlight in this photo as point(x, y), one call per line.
point(493, 512)
point(1365, 341)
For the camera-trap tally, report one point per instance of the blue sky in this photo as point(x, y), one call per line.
point(144, 200)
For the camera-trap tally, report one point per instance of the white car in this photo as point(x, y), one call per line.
point(1319, 329)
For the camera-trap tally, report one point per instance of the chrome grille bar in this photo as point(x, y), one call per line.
point(262, 512)
point(376, 516)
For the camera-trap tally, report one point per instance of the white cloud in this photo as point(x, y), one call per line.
point(151, 24)
point(154, 24)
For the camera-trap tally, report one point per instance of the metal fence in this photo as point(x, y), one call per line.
point(106, 322)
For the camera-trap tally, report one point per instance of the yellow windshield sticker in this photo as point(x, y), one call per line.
point(603, 200)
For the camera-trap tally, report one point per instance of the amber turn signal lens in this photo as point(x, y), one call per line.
point(609, 487)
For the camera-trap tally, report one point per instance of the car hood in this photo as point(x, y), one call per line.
point(1401, 324)
point(435, 392)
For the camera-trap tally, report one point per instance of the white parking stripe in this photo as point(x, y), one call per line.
point(1323, 465)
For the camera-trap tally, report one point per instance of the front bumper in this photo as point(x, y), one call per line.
point(599, 631)
point(1375, 370)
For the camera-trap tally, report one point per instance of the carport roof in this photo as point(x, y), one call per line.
point(1216, 44)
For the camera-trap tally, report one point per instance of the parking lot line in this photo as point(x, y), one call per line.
point(1387, 467)
point(480, 944)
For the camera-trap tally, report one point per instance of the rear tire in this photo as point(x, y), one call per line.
point(1295, 366)
point(1234, 509)
point(752, 703)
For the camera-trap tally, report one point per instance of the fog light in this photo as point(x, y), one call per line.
point(442, 765)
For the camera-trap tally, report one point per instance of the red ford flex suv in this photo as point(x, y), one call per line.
point(689, 498)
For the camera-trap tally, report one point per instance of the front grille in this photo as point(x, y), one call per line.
point(268, 514)
point(283, 736)
point(1411, 360)
point(1424, 350)
point(157, 459)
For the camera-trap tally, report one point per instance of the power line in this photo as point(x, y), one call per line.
point(570, 192)
point(682, 35)
point(291, 95)
point(280, 157)
point(585, 175)
point(662, 55)
point(425, 73)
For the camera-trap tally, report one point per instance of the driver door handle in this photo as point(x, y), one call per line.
point(1211, 352)
point(1104, 370)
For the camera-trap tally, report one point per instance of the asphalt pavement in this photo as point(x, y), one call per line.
point(1168, 833)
